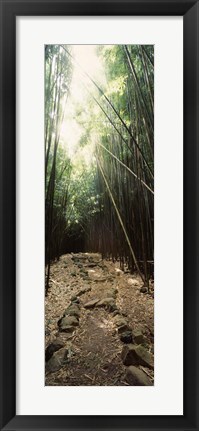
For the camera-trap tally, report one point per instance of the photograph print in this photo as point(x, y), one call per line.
point(99, 215)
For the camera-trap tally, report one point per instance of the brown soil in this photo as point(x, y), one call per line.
point(95, 347)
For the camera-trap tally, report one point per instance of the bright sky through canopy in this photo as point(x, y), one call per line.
point(86, 57)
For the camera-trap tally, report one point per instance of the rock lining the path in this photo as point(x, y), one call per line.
point(120, 321)
point(67, 324)
point(123, 328)
point(74, 299)
point(108, 303)
point(138, 337)
point(73, 310)
point(126, 337)
point(57, 360)
point(52, 348)
point(137, 355)
point(122, 324)
point(137, 377)
point(91, 304)
point(143, 289)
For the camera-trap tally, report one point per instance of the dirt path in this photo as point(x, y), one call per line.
point(101, 299)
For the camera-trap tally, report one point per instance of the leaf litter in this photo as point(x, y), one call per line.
point(94, 348)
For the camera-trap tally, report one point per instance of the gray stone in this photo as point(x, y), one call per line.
point(137, 355)
point(138, 336)
point(74, 307)
point(72, 310)
point(74, 299)
point(67, 328)
point(116, 312)
point(143, 289)
point(123, 328)
point(119, 320)
point(108, 303)
point(52, 348)
point(137, 377)
point(126, 337)
point(121, 324)
point(68, 323)
point(57, 361)
point(91, 304)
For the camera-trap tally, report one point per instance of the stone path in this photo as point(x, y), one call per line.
point(99, 326)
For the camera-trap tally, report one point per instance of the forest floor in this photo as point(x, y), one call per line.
point(89, 301)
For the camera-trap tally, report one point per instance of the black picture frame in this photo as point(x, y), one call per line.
point(9, 11)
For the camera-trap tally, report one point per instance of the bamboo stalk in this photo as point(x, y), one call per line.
point(126, 167)
point(120, 220)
